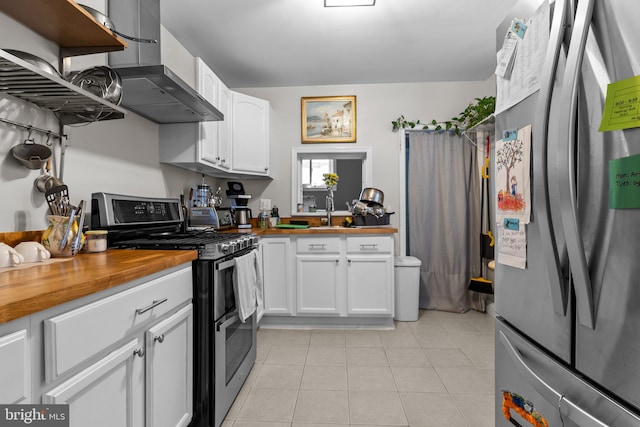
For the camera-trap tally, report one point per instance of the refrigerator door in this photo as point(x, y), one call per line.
point(607, 348)
point(529, 383)
point(535, 300)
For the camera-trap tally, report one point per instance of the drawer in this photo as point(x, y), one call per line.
point(318, 245)
point(75, 336)
point(370, 245)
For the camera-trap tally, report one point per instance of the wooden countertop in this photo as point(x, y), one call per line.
point(325, 230)
point(26, 291)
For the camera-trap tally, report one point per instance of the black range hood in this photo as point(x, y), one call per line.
point(150, 88)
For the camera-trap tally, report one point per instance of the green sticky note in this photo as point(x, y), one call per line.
point(624, 183)
point(622, 106)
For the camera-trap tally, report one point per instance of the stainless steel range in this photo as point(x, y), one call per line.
point(224, 346)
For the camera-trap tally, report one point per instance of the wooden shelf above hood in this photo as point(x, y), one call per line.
point(65, 23)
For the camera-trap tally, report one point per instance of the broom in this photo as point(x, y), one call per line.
point(480, 284)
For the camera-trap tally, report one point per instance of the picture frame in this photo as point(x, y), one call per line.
point(328, 119)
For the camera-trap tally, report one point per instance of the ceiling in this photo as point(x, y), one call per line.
point(267, 43)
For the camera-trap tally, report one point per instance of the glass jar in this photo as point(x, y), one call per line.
point(96, 240)
point(55, 233)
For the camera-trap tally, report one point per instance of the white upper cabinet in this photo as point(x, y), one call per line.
point(236, 147)
point(208, 86)
point(250, 134)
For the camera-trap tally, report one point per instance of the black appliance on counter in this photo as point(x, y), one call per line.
point(224, 347)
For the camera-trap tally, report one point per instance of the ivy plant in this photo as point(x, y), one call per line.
point(475, 113)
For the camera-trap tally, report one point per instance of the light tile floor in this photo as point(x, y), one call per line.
point(436, 372)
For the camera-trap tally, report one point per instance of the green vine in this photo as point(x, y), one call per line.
point(475, 113)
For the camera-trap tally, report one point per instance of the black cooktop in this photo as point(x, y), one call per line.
point(186, 240)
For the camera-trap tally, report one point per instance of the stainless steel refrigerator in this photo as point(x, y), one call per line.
point(568, 325)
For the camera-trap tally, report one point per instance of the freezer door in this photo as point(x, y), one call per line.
point(529, 383)
point(536, 300)
point(608, 349)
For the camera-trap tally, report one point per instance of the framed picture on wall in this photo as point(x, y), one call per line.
point(328, 119)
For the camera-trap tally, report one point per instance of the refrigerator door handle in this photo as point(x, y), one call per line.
point(566, 158)
point(567, 408)
point(558, 284)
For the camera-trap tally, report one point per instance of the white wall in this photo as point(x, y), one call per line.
point(121, 156)
point(377, 105)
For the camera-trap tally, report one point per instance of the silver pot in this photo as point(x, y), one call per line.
point(372, 195)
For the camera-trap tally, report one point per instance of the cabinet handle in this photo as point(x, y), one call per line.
point(218, 158)
point(369, 246)
point(150, 306)
point(317, 246)
point(224, 160)
point(266, 169)
point(138, 352)
point(159, 338)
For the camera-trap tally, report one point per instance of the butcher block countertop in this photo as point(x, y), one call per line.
point(27, 290)
point(325, 230)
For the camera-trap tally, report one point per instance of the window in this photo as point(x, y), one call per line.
point(308, 164)
point(313, 170)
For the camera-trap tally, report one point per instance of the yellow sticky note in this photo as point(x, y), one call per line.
point(622, 107)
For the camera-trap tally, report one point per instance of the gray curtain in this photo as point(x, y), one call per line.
point(443, 209)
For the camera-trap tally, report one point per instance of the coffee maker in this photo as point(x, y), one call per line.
point(239, 201)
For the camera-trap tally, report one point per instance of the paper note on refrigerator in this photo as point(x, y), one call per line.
point(624, 183)
point(622, 106)
point(512, 177)
point(524, 78)
point(512, 246)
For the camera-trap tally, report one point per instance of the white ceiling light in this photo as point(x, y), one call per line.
point(344, 3)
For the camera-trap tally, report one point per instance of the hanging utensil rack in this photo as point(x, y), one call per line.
point(49, 134)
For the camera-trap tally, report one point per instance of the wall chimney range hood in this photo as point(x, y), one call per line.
point(150, 88)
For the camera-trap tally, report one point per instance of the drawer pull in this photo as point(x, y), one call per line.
point(150, 306)
point(159, 338)
point(139, 352)
point(369, 246)
point(317, 246)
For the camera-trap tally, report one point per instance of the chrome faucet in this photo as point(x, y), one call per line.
point(330, 208)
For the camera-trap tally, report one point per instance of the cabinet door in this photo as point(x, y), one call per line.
point(320, 285)
point(369, 284)
point(250, 134)
point(169, 371)
point(278, 281)
point(15, 368)
point(224, 127)
point(108, 393)
point(208, 85)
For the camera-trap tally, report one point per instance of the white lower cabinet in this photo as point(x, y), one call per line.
point(108, 393)
point(15, 365)
point(333, 276)
point(368, 289)
point(125, 359)
point(169, 371)
point(320, 284)
point(277, 269)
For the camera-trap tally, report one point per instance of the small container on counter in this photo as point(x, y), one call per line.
point(96, 240)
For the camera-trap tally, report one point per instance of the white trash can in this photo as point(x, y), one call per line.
point(407, 284)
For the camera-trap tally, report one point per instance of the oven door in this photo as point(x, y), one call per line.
point(234, 356)
point(234, 350)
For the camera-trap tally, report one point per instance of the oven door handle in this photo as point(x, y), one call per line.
point(224, 325)
point(226, 264)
